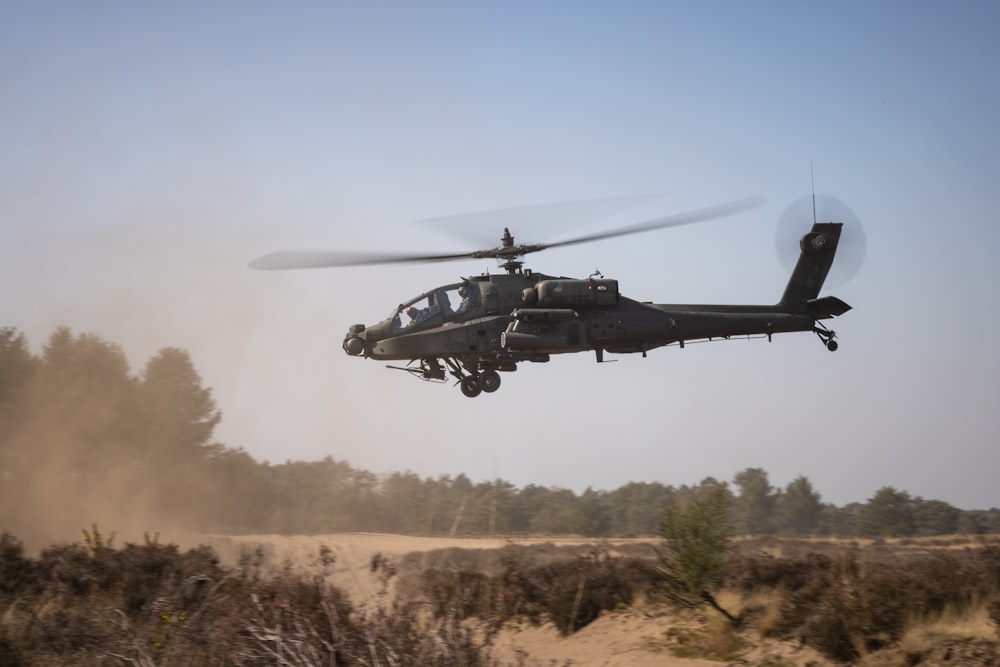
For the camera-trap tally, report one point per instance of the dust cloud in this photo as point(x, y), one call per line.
point(85, 442)
point(53, 501)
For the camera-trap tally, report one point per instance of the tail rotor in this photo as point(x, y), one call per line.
point(806, 210)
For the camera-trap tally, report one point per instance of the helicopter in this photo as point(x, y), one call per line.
point(481, 326)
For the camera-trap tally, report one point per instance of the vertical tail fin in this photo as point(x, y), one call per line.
point(818, 249)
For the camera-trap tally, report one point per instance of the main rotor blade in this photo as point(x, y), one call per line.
point(540, 220)
point(294, 259)
point(306, 259)
point(699, 215)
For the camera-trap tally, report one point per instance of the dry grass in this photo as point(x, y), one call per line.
point(694, 635)
point(764, 608)
point(858, 604)
point(722, 641)
point(968, 624)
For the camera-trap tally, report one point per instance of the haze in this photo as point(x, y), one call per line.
point(151, 150)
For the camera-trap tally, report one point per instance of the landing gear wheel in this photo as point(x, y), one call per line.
point(489, 381)
point(470, 387)
point(827, 337)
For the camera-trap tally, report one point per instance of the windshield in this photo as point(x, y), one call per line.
point(450, 303)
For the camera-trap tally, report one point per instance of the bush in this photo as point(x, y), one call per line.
point(573, 594)
point(538, 584)
point(696, 539)
point(847, 605)
point(154, 604)
point(994, 611)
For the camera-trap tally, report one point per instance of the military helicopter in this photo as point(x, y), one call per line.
point(485, 325)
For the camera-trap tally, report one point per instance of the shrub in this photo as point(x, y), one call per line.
point(696, 538)
point(994, 611)
point(574, 594)
point(537, 585)
point(154, 604)
point(13, 565)
point(848, 605)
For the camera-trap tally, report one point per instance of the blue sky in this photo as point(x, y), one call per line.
point(151, 150)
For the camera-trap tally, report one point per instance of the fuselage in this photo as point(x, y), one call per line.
point(533, 313)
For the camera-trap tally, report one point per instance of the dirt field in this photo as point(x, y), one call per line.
point(628, 638)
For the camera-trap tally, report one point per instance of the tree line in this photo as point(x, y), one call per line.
point(84, 439)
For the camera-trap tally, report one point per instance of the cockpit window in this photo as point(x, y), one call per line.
point(416, 312)
point(451, 302)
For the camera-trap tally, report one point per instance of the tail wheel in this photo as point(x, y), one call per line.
point(826, 336)
point(471, 387)
point(489, 381)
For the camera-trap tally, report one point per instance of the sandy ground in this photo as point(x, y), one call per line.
point(628, 638)
point(354, 551)
point(623, 639)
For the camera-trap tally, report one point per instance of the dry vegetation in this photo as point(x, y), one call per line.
point(378, 599)
point(81, 436)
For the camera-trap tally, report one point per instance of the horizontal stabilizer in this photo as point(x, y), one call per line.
point(826, 307)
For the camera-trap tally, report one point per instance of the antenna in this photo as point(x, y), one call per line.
point(812, 177)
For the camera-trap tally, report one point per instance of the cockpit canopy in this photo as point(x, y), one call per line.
point(451, 303)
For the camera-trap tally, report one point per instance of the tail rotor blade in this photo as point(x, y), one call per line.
point(798, 219)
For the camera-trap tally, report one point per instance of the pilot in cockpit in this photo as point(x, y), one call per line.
point(470, 295)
